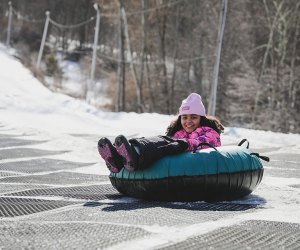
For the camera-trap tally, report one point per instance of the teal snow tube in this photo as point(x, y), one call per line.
point(224, 173)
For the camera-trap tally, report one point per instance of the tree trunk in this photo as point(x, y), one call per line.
point(171, 93)
point(132, 68)
point(292, 93)
point(144, 31)
point(120, 95)
point(269, 46)
point(162, 51)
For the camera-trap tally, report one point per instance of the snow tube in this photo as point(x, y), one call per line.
point(212, 174)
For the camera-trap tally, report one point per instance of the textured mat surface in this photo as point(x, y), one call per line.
point(285, 173)
point(29, 235)
point(40, 165)
point(147, 213)
point(249, 235)
point(192, 206)
point(93, 192)
point(92, 137)
point(283, 165)
point(26, 152)
point(285, 157)
point(10, 207)
point(13, 187)
point(3, 136)
point(81, 211)
point(60, 178)
point(12, 142)
point(7, 173)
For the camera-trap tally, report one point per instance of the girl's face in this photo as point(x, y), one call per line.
point(190, 122)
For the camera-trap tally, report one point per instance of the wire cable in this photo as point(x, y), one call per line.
point(157, 62)
point(72, 26)
point(144, 11)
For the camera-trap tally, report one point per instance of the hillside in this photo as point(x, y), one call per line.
point(150, 54)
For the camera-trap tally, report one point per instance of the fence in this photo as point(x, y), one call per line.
point(130, 57)
point(12, 12)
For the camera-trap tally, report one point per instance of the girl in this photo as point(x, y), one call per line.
point(191, 128)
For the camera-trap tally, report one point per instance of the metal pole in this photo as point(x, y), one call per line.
point(213, 93)
point(9, 24)
point(43, 39)
point(120, 94)
point(95, 43)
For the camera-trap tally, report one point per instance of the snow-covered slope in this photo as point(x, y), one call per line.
point(34, 111)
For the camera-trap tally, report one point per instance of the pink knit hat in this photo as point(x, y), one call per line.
point(192, 105)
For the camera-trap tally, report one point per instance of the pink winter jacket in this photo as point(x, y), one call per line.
point(202, 134)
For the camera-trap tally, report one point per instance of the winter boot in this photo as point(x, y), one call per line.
point(110, 155)
point(128, 153)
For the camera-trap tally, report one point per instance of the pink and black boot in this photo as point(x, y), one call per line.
point(110, 155)
point(127, 152)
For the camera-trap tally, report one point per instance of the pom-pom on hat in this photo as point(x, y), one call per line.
point(192, 105)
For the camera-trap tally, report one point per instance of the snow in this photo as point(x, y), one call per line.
point(29, 109)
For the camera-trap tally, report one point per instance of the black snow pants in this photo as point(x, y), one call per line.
point(154, 148)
